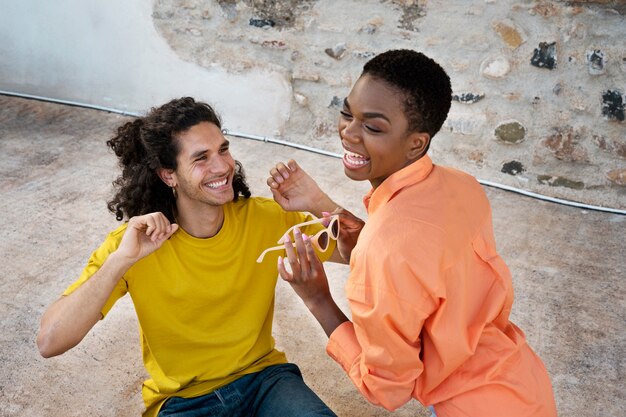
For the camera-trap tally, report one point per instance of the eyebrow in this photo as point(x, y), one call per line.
point(201, 152)
point(368, 115)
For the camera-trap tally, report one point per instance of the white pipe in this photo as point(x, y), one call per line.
point(483, 182)
point(322, 152)
point(70, 103)
point(281, 142)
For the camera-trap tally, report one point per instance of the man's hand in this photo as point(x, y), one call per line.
point(144, 235)
point(294, 190)
point(66, 322)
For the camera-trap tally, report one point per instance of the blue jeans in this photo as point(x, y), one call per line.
point(276, 391)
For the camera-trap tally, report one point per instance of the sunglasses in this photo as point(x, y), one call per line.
point(321, 240)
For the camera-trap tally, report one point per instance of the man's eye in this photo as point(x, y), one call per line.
point(224, 150)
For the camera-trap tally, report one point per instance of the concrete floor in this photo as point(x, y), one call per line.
point(568, 268)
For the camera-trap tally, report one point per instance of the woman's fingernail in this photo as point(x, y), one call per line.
point(296, 231)
point(305, 237)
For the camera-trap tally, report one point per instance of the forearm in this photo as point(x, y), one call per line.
point(327, 313)
point(321, 203)
point(69, 319)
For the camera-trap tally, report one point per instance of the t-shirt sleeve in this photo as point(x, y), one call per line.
point(96, 260)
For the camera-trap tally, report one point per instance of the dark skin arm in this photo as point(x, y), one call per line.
point(295, 190)
point(309, 281)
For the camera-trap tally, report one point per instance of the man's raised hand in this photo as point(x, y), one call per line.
point(145, 234)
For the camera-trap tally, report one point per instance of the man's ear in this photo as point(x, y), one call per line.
point(418, 144)
point(167, 176)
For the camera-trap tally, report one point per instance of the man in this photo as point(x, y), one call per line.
point(187, 258)
point(430, 297)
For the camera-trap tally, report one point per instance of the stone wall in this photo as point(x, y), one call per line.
point(539, 86)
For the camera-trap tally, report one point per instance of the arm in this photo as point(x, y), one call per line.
point(66, 322)
point(294, 190)
point(308, 279)
point(385, 324)
point(381, 349)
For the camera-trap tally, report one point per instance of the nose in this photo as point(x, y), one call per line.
point(219, 164)
point(348, 131)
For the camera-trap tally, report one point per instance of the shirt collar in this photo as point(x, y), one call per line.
point(409, 175)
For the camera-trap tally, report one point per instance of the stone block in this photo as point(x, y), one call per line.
point(476, 157)
point(613, 146)
point(301, 99)
point(512, 35)
point(336, 102)
point(595, 62)
point(557, 181)
point(274, 44)
point(513, 168)
point(467, 98)
point(495, 67)
point(336, 51)
point(262, 23)
point(465, 123)
point(544, 56)
point(305, 75)
point(564, 145)
point(613, 105)
point(617, 176)
point(511, 132)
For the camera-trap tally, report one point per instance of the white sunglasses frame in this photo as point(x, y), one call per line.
point(315, 239)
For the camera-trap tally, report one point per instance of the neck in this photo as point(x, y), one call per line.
point(202, 222)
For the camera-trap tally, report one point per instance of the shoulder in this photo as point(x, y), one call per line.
point(117, 233)
point(458, 182)
point(258, 209)
point(257, 205)
point(112, 240)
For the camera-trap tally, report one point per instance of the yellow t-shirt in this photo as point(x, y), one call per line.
point(204, 306)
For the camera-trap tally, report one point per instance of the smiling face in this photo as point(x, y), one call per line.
point(205, 170)
point(374, 132)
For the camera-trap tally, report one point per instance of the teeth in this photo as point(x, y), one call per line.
point(217, 184)
point(355, 158)
point(353, 155)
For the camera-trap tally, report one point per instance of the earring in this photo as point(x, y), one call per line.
point(173, 191)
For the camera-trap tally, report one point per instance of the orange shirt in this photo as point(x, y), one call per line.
point(430, 301)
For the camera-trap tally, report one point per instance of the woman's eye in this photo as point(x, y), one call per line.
point(372, 129)
point(345, 114)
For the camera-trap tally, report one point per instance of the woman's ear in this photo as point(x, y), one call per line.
point(167, 176)
point(418, 144)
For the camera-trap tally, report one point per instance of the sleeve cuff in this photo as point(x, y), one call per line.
point(343, 345)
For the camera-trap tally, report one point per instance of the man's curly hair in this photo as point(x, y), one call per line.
point(423, 83)
point(149, 143)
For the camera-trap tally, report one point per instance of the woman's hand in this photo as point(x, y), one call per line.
point(308, 279)
point(307, 276)
point(349, 231)
point(295, 190)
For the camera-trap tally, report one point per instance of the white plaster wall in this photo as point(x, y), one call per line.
point(108, 53)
